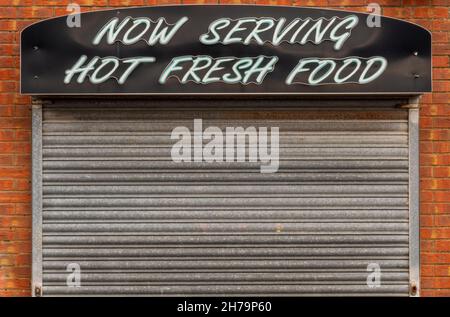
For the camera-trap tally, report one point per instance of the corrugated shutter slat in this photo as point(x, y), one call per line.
point(138, 223)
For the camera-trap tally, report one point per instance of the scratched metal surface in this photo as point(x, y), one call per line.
point(139, 224)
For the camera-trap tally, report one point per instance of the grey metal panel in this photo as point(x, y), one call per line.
point(295, 126)
point(233, 290)
point(414, 203)
point(36, 284)
point(226, 277)
point(341, 240)
point(138, 223)
point(214, 264)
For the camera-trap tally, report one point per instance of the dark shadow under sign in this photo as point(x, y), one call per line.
point(225, 49)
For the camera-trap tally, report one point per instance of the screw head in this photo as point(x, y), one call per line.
point(413, 290)
point(416, 53)
point(37, 291)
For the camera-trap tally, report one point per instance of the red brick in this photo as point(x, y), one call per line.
point(416, 2)
point(441, 196)
point(23, 209)
point(435, 12)
point(435, 183)
point(22, 185)
point(16, 283)
point(442, 282)
point(435, 208)
point(435, 110)
point(441, 147)
point(441, 85)
point(441, 270)
point(443, 220)
point(441, 171)
point(14, 172)
point(425, 123)
point(398, 12)
point(126, 3)
point(435, 135)
point(435, 159)
point(34, 12)
point(23, 135)
point(8, 25)
point(15, 234)
point(8, 62)
point(15, 292)
point(15, 247)
point(440, 2)
point(443, 245)
point(427, 270)
point(8, 74)
point(435, 233)
point(15, 221)
point(440, 61)
point(426, 147)
point(441, 73)
point(441, 98)
point(23, 272)
point(435, 258)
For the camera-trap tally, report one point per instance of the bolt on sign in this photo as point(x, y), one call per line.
point(225, 49)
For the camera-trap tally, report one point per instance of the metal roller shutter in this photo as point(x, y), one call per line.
point(138, 223)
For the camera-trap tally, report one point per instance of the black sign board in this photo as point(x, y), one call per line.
point(225, 49)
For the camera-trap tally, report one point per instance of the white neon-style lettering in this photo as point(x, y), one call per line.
point(164, 36)
point(243, 63)
point(383, 63)
point(136, 23)
point(134, 63)
point(332, 74)
point(105, 62)
point(254, 34)
point(278, 35)
point(275, 31)
point(349, 22)
point(85, 71)
point(314, 81)
point(173, 66)
point(206, 60)
point(319, 32)
point(347, 62)
point(162, 32)
point(199, 69)
point(216, 67)
point(300, 68)
point(263, 71)
point(111, 29)
point(236, 28)
point(216, 25)
point(79, 68)
point(297, 32)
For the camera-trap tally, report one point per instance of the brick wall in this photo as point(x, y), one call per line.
point(15, 126)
